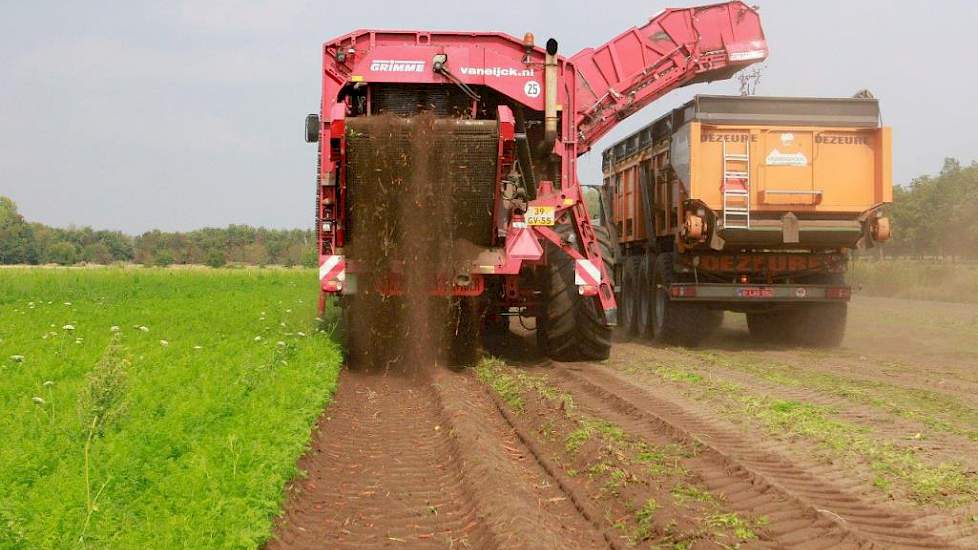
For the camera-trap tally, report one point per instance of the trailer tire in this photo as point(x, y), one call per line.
point(629, 296)
point(767, 328)
point(645, 302)
point(820, 325)
point(678, 323)
point(571, 327)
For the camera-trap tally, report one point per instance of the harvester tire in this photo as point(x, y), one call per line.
point(463, 333)
point(678, 323)
point(572, 327)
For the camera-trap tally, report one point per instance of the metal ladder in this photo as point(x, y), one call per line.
point(736, 189)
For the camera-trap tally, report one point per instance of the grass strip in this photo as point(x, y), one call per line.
point(943, 484)
point(935, 410)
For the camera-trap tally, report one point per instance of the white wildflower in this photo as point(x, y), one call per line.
point(68, 327)
point(280, 343)
point(164, 343)
point(17, 358)
point(143, 328)
point(257, 338)
point(114, 328)
point(282, 324)
point(37, 400)
point(78, 340)
point(301, 334)
point(288, 311)
point(198, 347)
point(67, 303)
point(48, 383)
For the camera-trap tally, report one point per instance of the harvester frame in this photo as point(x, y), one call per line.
point(548, 110)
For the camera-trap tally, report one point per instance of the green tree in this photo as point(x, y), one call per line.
point(215, 258)
point(62, 252)
point(163, 258)
point(17, 244)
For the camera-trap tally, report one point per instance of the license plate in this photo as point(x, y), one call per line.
point(540, 215)
point(755, 292)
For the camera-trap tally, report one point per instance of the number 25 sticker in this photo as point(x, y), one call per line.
point(532, 89)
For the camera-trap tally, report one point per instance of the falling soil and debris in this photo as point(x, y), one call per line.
point(418, 208)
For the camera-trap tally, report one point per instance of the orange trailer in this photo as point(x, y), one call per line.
point(748, 204)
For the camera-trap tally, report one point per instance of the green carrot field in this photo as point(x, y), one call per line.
point(144, 408)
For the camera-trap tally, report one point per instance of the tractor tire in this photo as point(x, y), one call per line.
point(571, 327)
point(678, 323)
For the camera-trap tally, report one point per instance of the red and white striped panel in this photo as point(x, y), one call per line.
point(586, 273)
point(332, 269)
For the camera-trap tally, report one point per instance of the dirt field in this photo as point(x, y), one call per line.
point(727, 445)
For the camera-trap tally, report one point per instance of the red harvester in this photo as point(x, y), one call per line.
point(521, 116)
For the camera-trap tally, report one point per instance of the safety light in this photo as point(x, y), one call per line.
point(838, 293)
point(588, 290)
point(682, 291)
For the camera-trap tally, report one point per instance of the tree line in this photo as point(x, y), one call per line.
point(933, 216)
point(937, 216)
point(24, 242)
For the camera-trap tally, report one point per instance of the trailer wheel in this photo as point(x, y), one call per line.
point(644, 302)
point(678, 323)
point(820, 325)
point(571, 327)
point(628, 298)
point(767, 328)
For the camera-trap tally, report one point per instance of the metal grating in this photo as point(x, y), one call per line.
point(454, 157)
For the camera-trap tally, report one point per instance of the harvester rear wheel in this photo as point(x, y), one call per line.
point(571, 327)
point(678, 323)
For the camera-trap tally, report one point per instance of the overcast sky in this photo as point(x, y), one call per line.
point(183, 114)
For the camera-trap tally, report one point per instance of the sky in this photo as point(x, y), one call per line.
point(189, 113)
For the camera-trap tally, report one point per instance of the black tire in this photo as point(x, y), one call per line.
point(571, 327)
point(820, 325)
point(768, 327)
point(678, 323)
point(628, 298)
point(814, 325)
point(463, 333)
point(644, 302)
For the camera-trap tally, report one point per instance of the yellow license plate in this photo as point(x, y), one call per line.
point(540, 215)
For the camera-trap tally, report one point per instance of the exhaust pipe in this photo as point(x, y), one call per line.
point(550, 99)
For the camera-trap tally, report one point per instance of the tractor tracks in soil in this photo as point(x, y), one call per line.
point(423, 460)
point(808, 505)
point(435, 459)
